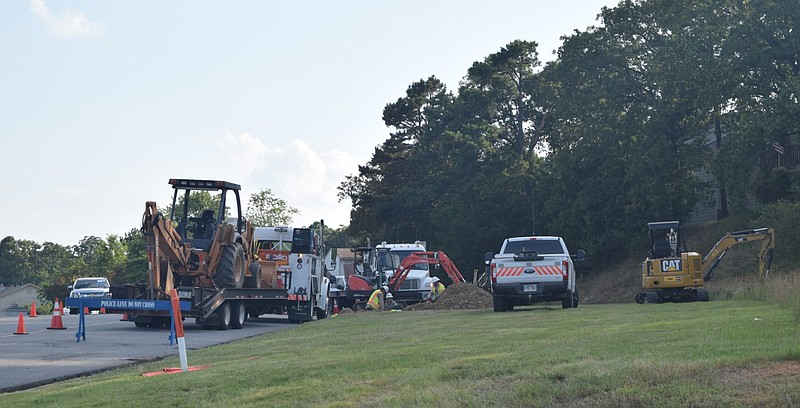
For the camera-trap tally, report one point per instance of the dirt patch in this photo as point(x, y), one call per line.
point(458, 296)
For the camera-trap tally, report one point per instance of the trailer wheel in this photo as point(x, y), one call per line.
point(498, 303)
point(224, 316)
point(239, 315)
point(232, 264)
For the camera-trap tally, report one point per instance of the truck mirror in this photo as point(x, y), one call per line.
point(488, 257)
point(580, 256)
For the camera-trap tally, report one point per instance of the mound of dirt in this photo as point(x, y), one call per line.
point(458, 296)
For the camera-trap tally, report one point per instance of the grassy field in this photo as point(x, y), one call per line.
point(721, 353)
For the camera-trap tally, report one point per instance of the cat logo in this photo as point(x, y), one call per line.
point(671, 265)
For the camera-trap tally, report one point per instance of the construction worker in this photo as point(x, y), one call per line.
point(390, 303)
point(375, 301)
point(437, 288)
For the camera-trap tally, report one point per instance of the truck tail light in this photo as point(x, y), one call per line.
point(565, 269)
point(492, 267)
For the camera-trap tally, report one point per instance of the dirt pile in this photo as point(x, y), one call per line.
point(458, 296)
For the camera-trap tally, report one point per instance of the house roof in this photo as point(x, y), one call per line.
point(8, 290)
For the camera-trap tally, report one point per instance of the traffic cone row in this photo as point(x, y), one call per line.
point(55, 322)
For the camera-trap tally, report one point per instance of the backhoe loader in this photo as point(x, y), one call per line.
point(672, 274)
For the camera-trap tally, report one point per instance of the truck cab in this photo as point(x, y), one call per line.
point(417, 284)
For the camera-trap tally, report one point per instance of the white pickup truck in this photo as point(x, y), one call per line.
point(534, 269)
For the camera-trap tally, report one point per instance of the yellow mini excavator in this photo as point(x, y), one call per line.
point(672, 274)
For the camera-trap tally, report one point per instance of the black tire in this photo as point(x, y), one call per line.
point(498, 303)
point(140, 324)
point(254, 280)
point(253, 315)
point(568, 302)
point(575, 298)
point(509, 305)
point(359, 306)
point(231, 267)
point(238, 315)
point(323, 313)
point(224, 316)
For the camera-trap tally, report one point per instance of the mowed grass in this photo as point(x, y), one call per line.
point(704, 354)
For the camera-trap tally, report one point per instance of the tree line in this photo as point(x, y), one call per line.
point(595, 144)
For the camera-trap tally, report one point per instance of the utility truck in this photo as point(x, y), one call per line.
point(533, 269)
point(210, 257)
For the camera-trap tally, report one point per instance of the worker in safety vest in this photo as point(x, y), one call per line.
point(375, 301)
point(437, 288)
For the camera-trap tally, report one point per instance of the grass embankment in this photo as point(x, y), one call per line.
point(723, 353)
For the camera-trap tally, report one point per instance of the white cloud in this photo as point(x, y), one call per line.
point(245, 153)
point(70, 24)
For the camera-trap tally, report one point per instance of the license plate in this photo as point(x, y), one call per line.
point(529, 288)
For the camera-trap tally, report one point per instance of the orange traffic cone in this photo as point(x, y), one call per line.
point(21, 325)
point(102, 310)
point(55, 322)
point(86, 310)
point(124, 317)
point(335, 307)
point(33, 310)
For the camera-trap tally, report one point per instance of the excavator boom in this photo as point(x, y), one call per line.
point(431, 258)
point(717, 253)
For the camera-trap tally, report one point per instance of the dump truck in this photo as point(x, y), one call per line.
point(671, 273)
point(210, 257)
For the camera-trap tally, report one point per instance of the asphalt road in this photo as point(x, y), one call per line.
point(45, 356)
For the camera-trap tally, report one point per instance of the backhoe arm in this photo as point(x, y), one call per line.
point(765, 235)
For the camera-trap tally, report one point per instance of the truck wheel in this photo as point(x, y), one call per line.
point(499, 304)
point(254, 280)
point(238, 315)
point(568, 302)
point(231, 267)
point(322, 313)
point(224, 316)
point(575, 298)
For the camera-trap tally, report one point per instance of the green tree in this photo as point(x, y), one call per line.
point(266, 209)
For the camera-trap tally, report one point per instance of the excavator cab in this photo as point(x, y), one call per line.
point(666, 239)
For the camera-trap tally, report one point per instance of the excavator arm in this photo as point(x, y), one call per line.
point(765, 235)
point(430, 258)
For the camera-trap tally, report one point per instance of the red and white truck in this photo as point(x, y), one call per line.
point(533, 269)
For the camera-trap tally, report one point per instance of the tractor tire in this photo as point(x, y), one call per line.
point(230, 270)
point(238, 315)
point(498, 303)
point(254, 280)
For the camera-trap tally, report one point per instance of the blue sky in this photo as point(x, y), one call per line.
point(101, 102)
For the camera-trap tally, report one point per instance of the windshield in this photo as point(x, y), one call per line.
point(91, 284)
point(540, 246)
point(393, 259)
